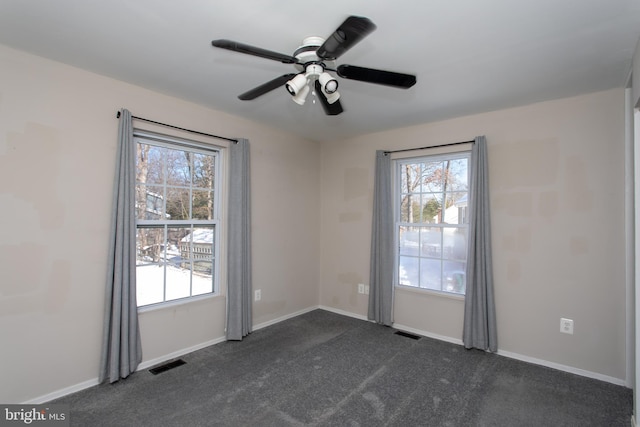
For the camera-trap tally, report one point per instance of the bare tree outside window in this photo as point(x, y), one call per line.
point(176, 217)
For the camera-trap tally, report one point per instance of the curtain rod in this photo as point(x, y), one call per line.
point(431, 146)
point(179, 128)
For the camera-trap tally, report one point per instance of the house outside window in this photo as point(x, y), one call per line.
point(177, 219)
point(432, 222)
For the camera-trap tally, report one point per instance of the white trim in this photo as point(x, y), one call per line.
point(144, 365)
point(62, 392)
point(565, 368)
point(427, 334)
point(176, 302)
point(342, 312)
point(285, 317)
point(633, 421)
point(149, 363)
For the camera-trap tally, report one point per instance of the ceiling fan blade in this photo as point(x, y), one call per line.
point(255, 51)
point(381, 77)
point(266, 87)
point(330, 109)
point(348, 34)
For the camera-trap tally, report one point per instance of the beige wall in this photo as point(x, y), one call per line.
point(556, 171)
point(557, 198)
point(58, 135)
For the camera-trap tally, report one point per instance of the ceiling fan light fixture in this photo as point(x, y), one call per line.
point(329, 84)
point(332, 97)
point(301, 96)
point(296, 84)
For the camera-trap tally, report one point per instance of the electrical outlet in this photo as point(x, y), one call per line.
point(566, 326)
point(366, 289)
point(257, 295)
point(361, 288)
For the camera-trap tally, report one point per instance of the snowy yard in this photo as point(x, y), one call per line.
point(150, 279)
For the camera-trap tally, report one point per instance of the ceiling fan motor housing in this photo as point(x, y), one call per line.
point(306, 53)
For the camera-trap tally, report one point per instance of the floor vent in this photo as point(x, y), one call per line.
point(408, 335)
point(162, 368)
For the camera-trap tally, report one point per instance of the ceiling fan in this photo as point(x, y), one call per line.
point(314, 59)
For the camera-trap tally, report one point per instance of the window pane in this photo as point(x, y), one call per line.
point(177, 237)
point(409, 178)
point(432, 177)
point(430, 273)
point(406, 208)
point(150, 266)
point(408, 271)
point(149, 202)
point(431, 242)
point(149, 284)
point(203, 170)
point(179, 168)
point(149, 164)
point(179, 264)
point(459, 174)
point(454, 277)
point(431, 204)
point(150, 245)
point(202, 204)
point(178, 282)
point(203, 259)
point(202, 243)
point(203, 277)
point(455, 243)
point(409, 241)
point(456, 208)
point(178, 203)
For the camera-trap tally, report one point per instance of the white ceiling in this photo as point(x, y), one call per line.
point(469, 56)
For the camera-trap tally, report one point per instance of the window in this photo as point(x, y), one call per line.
point(176, 218)
point(432, 222)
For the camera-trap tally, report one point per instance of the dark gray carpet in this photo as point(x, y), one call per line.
point(324, 369)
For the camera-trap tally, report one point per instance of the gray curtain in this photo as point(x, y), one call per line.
point(239, 244)
point(382, 249)
point(479, 309)
point(121, 345)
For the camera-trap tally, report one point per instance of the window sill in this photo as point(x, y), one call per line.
point(424, 291)
point(177, 302)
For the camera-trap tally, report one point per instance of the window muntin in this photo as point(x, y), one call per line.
point(177, 219)
point(432, 222)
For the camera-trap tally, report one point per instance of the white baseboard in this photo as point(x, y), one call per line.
point(427, 334)
point(155, 361)
point(560, 367)
point(511, 355)
point(152, 362)
point(285, 317)
point(62, 392)
point(94, 381)
point(342, 312)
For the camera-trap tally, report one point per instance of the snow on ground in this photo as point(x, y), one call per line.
point(150, 279)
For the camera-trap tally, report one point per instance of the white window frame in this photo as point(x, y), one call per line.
point(178, 143)
point(397, 200)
